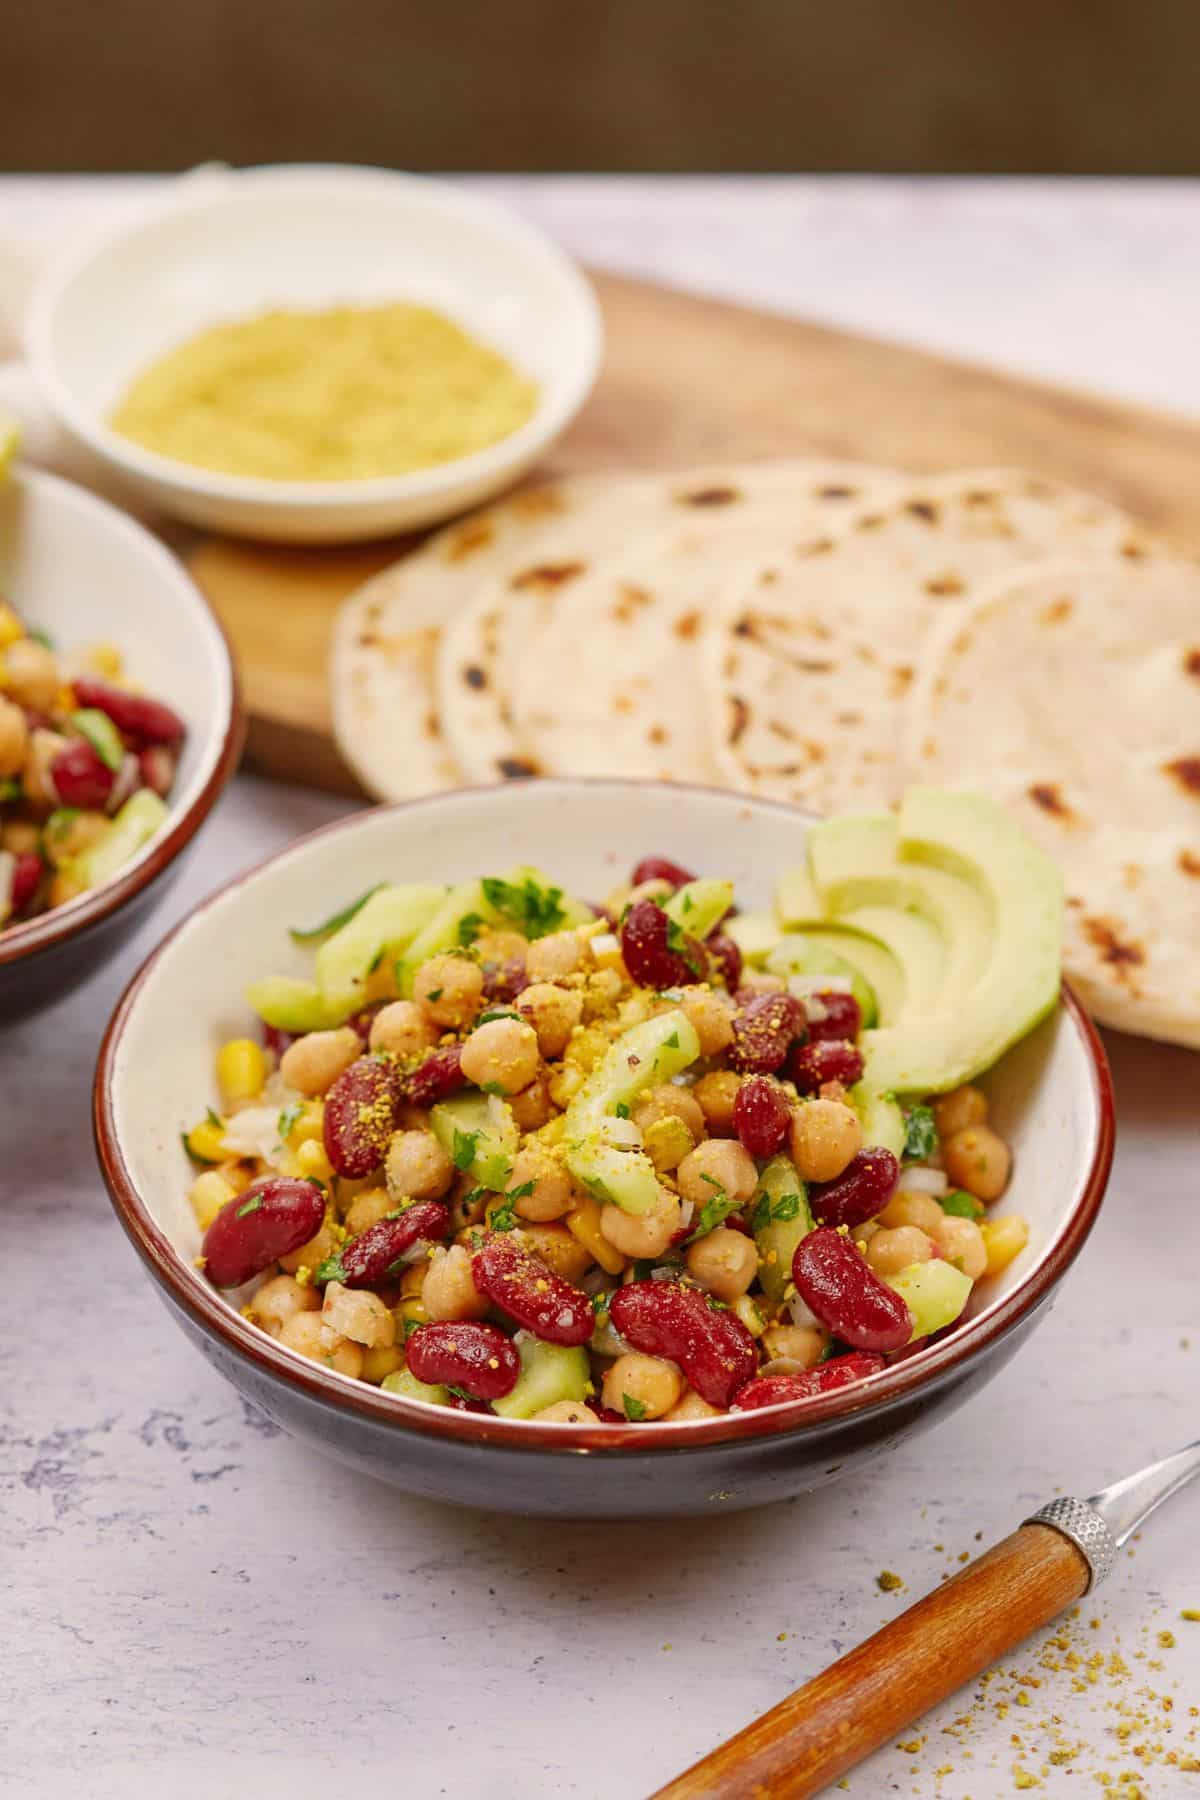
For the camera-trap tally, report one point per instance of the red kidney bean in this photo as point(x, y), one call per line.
point(504, 980)
point(842, 1020)
point(846, 1295)
point(273, 1216)
point(761, 1116)
point(278, 1041)
point(763, 1033)
point(361, 1021)
point(863, 1189)
point(79, 777)
point(521, 1285)
point(657, 952)
point(838, 1372)
point(810, 1065)
point(127, 781)
point(144, 720)
point(360, 1115)
point(657, 868)
point(439, 1076)
point(460, 1403)
point(156, 766)
point(458, 1353)
point(376, 1255)
point(27, 873)
point(607, 1415)
point(725, 960)
point(711, 1345)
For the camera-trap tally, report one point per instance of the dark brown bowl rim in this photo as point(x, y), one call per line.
point(50, 929)
point(929, 1369)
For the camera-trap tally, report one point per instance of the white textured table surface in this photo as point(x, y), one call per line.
point(191, 1604)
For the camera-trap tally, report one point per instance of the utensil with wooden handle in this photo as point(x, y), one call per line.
point(1059, 1554)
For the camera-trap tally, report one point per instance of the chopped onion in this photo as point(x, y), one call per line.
point(802, 1313)
point(819, 984)
point(686, 1209)
point(606, 946)
point(923, 1181)
point(128, 778)
point(623, 1134)
point(254, 1132)
point(782, 1365)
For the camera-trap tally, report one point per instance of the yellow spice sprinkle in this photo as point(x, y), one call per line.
point(888, 1581)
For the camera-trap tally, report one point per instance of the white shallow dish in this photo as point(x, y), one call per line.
point(231, 243)
point(1050, 1098)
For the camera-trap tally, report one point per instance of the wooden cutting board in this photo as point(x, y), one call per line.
point(690, 380)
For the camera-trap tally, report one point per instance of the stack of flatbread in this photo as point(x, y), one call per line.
point(823, 633)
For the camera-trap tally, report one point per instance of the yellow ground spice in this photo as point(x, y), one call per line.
point(342, 394)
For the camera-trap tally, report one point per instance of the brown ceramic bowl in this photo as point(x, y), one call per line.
point(1050, 1098)
point(83, 572)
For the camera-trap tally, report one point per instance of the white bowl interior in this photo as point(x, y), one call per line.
point(80, 570)
point(587, 836)
point(308, 238)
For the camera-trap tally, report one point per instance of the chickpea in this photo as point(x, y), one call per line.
point(402, 1029)
point(889, 1251)
point(566, 1412)
point(955, 1111)
point(19, 836)
point(725, 1262)
point(757, 981)
point(361, 1316)
point(467, 1203)
point(308, 1335)
point(497, 944)
point(559, 1250)
point(670, 1102)
point(691, 1406)
point(31, 674)
point(43, 747)
point(14, 739)
point(825, 1135)
point(712, 1017)
point(449, 1291)
point(962, 1243)
point(416, 1167)
point(716, 1093)
point(720, 1165)
point(804, 1345)
point(550, 958)
point(76, 833)
point(978, 1160)
point(908, 1206)
point(366, 1209)
point(280, 1299)
point(501, 1056)
point(381, 1361)
point(643, 1387)
point(553, 1194)
point(412, 1282)
point(553, 1013)
point(450, 989)
point(532, 1107)
point(312, 1254)
point(313, 1063)
point(642, 1234)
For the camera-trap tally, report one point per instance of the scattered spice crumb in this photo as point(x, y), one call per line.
point(1167, 1639)
point(668, 1646)
point(888, 1581)
point(1023, 1779)
point(910, 1746)
point(1191, 1614)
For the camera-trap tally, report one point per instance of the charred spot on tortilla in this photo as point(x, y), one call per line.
point(1047, 795)
point(474, 676)
point(980, 497)
point(745, 627)
point(535, 503)
point(768, 578)
point(1191, 663)
point(902, 679)
point(780, 730)
point(834, 491)
point(924, 510)
point(1058, 611)
point(739, 718)
point(476, 534)
point(516, 768)
point(1113, 948)
point(868, 522)
point(1134, 551)
point(712, 496)
point(945, 587)
point(433, 730)
point(849, 718)
point(1186, 771)
point(546, 575)
point(687, 625)
point(1189, 863)
point(815, 547)
point(1132, 874)
point(658, 734)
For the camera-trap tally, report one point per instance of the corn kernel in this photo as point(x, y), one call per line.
point(583, 1222)
point(65, 701)
point(381, 982)
point(667, 1142)
point(241, 1070)
point(10, 626)
point(411, 1311)
point(205, 1141)
point(748, 1312)
point(313, 1162)
point(237, 1175)
point(379, 1361)
point(1003, 1239)
point(104, 659)
point(309, 1127)
point(210, 1192)
point(64, 887)
point(413, 1279)
point(605, 947)
point(564, 1084)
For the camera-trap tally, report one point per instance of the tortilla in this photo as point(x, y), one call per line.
point(811, 663)
point(611, 682)
point(1071, 692)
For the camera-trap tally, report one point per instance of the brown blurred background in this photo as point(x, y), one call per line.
point(1058, 86)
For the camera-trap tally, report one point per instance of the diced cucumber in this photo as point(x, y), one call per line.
point(291, 1005)
point(780, 1216)
point(316, 934)
point(699, 906)
point(934, 1292)
point(642, 1057)
point(549, 1373)
point(479, 1135)
point(386, 922)
point(133, 826)
point(755, 934)
point(463, 911)
point(798, 954)
point(883, 1123)
point(101, 734)
point(403, 1381)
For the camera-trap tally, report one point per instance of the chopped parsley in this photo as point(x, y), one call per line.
point(679, 941)
point(768, 1211)
point(532, 908)
point(41, 637)
point(600, 1301)
point(463, 1153)
point(435, 993)
point(289, 1118)
point(920, 1134)
point(10, 789)
point(960, 1205)
point(493, 1012)
point(308, 934)
point(330, 1270)
point(59, 823)
point(504, 1218)
point(671, 1043)
point(634, 1409)
point(249, 1206)
point(469, 928)
point(714, 1212)
point(621, 1110)
point(214, 1118)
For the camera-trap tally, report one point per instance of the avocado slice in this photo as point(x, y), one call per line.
point(549, 1373)
point(971, 837)
point(915, 945)
point(780, 1217)
point(755, 934)
point(602, 1151)
point(796, 899)
point(814, 953)
point(387, 921)
point(479, 1135)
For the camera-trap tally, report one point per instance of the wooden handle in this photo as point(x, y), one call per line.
point(931, 1650)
